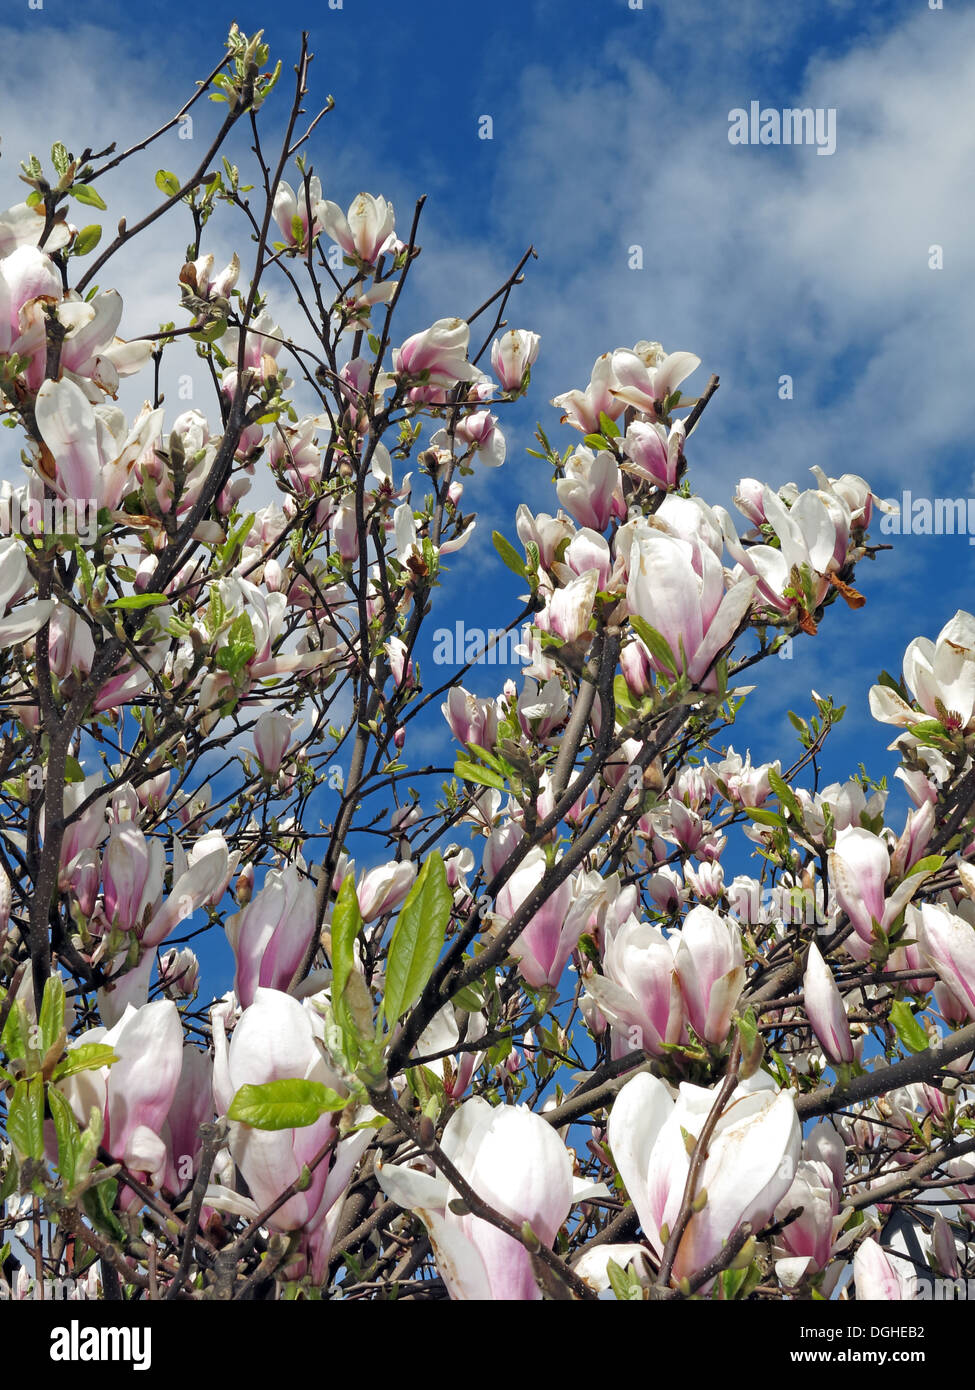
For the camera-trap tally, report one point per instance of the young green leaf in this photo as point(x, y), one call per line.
point(285, 1104)
point(418, 937)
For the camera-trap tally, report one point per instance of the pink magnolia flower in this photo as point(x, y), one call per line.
point(645, 381)
point(366, 232)
point(291, 211)
point(94, 451)
point(750, 1163)
point(24, 621)
point(638, 992)
point(679, 589)
point(936, 672)
point(134, 1095)
point(825, 1008)
point(471, 719)
point(710, 965)
point(204, 880)
point(192, 1105)
point(552, 933)
point(592, 489)
point(512, 355)
point(859, 867)
point(947, 942)
point(880, 1277)
point(654, 452)
point(517, 1163)
point(132, 875)
point(806, 1243)
point(382, 889)
point(278, 1038)
point(440, 350)
point(583, 408)
point(272, 734)
point(270, 936)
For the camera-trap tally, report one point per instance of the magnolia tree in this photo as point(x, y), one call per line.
point(511, 1028)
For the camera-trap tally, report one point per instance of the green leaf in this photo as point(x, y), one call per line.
point(287, 1104)
point(138, 601)
point(346, 922)
point(509, 555)
point(15, 1030)
point(763, 817)
point(168, 183)
point(655, 642)
point(594, 441)
point(87, 239)
point(418, 937)
point(240, 646)
point(490, 758)
point(52, 1012)
point(87, 195)
point(910, 1032)
point(68, 1133)
point(786, 795)
point(928, 865)
point(98, 1202)
point(25, 1118)
point(470, 1001)
point(87, 1057)
point(59, 158)
point(609, 427)
point(626, 1286)
point(483, 776)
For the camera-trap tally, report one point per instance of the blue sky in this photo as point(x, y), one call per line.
point(611, 130)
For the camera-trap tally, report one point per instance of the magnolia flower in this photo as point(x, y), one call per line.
point(859, 867)
point(591, 488)
point(272, 734)
point(710, 966)
point(202, 880)
point(514, 1161)
point(645, 381)
point(382, 889)
point(583, 408)
point(440, 350)
point(654, 453)
point(271, 935)
point(132, 874)
point(552, 933)
point(940, 675)
point(134, 1095)
point(93, 449)
point(813, 534)
point(825, 1008)
point(679, 589)
point(638, 991)
point(806, 1243)
point(23, 622)
point(471, 719)
point(542, 711)
point(291, 211)
point(278, 1038)
point(750, 1164)
point(366, 232)
point(947, 942)
point(569, 609)
point(511, 357)
point(880, 1277)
